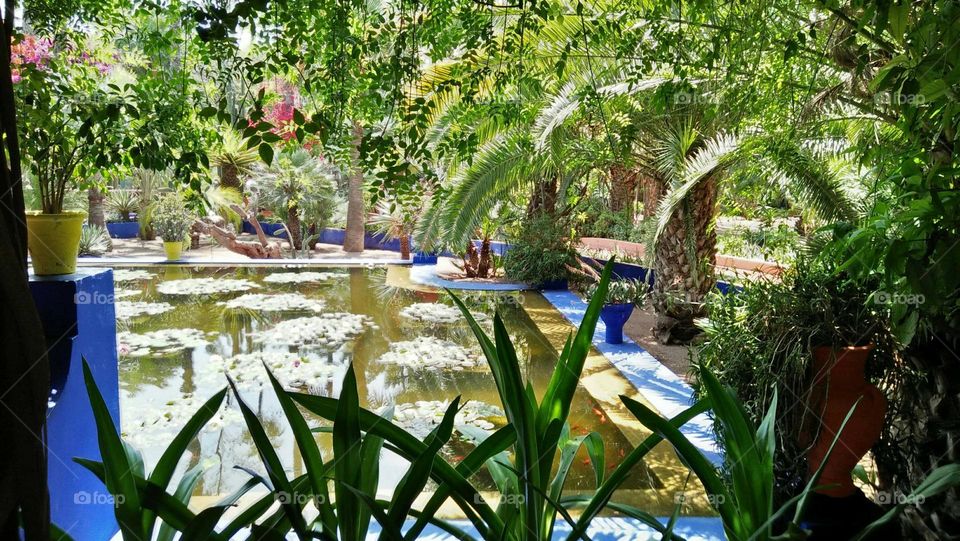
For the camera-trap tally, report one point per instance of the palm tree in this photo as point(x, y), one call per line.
point(692, 167)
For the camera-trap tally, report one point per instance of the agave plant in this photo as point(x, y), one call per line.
point(94, 240)
point(123, 204)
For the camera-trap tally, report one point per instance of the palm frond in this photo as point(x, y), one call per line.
point(716, 154)
point(819, 186)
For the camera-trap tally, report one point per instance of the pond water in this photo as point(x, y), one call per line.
point(180, 328)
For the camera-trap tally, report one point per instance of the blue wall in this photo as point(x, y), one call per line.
point(79, 321)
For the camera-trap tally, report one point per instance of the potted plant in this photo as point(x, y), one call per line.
point(622, 295)
point(68, 127)
point(845, 320)
point(123, 205)
point(172, 222)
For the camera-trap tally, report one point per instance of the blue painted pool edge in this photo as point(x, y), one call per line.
point(666, 391)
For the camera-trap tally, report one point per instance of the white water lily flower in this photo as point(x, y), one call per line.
point(301, 277)
point(422, 416)
point(159, 343)
point(327, 330)
point(129, 309)
point(282, 302)
point(131, 275)
point(292, 370)
point(204, 286)
point(430, 353)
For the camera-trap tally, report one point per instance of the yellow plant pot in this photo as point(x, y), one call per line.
point(173, 249)
point(54, 240)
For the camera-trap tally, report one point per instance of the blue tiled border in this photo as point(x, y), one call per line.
point(666, 391)
point(604, 529)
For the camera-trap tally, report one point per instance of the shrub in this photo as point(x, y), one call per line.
point(759, 341)
point(622, 291)
point(541, 252)
point(171, 220)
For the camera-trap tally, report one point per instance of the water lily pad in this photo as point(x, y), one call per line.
point(159, 343)
point(422, 416)
point(129, 309)
point(302, 277)
point(282, 302)
point(292, 370)
point(429, 353)
point(146, 424)
point(427, 312)
point(131, 275)
point(204, 286)
point(326, 330)
point(126, 293)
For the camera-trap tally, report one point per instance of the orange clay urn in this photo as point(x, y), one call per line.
point(838, 381)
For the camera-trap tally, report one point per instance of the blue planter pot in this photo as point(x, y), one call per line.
point(123, 230)
point(420, 258)
point(614, 316)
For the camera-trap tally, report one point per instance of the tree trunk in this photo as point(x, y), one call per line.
point(230, 176)
point(253, 250)
point(543, 199)
point(353, 238)
point(483, 265)
point(652, 188)
point(293, 227)
point(684, 262)
point(623, 185)
point(405, 246)
point(95, 212)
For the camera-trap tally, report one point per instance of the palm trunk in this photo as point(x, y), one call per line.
point(683, 266)
point(405, 246)
point(543, 199)
point(483, 265)
point(353, 238)
point(230, 176)
point(623, 185)
point(293, 227)
point(922, 433)
point(652, 189)
point(95, 213)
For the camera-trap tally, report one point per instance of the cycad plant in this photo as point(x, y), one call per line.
point(233, 160)
point(297, 187)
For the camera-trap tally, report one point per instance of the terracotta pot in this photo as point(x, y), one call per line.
point(837, 383)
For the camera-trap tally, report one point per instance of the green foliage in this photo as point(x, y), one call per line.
point(594, 219)
point(299, 181)
point(541, 252)
point(623, 291)
point(94, 240)
point(780, 243)
point(123, 203)
point(760, 341)
point(170, 218)
point(745, 498)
